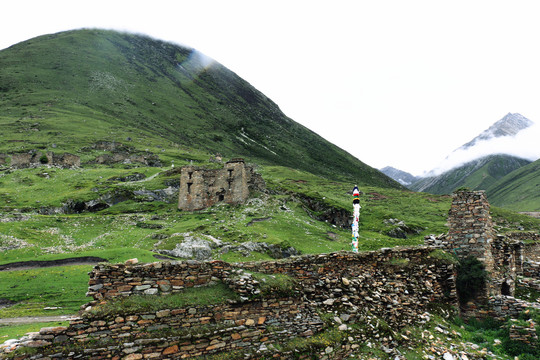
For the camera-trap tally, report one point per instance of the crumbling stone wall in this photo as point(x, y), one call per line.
point(502, 307)
point(34, 159)
point(471, 233)
point(201, 188)
point(531, 246)
point(397, 285)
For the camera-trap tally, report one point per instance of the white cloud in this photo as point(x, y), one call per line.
point(524, 144)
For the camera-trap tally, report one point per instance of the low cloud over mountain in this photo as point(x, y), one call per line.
point(513, 135)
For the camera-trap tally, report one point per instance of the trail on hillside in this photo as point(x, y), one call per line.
point(37, 319)
point(25, 265)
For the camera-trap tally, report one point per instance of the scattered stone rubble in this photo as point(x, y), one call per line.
point(524, 333)
point(196, 248)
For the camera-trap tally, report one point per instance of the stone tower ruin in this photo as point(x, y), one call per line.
point(471, 233)
point(201, 188)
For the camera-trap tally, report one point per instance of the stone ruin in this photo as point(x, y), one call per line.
point(201, 188)
point(123, 154)
point(471, 233)
point(36, 158)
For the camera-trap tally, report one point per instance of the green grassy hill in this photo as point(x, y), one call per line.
point(519, 190)
point(74, 88)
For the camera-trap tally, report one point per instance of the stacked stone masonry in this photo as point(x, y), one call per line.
point(524, 333)
point(471, 233)
point(502, 306)
point(201, 188)
point(397, 285)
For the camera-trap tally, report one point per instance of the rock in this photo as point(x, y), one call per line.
point(152, 291)
point(448, 356)
point(342, 327)
point(329, 302)
point(191, 248)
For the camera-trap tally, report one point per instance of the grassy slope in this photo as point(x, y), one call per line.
point(480, 174)
point(519, 190)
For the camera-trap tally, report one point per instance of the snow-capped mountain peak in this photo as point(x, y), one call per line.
point(509, 125)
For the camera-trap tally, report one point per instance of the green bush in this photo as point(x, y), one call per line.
point(471, 278)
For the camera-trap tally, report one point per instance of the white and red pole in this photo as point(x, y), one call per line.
point(356, 215)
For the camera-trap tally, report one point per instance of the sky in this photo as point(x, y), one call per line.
point(395, 83)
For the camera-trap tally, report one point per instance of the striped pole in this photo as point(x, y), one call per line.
point(356, 215)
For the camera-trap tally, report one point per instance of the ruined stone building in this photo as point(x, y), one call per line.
point(201, 188)
point(36, 158)
point(471, 233)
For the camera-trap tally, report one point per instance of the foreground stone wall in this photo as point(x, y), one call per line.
point(397, 285)
point(393, 283)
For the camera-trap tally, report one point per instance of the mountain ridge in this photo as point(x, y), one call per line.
point(509, 125)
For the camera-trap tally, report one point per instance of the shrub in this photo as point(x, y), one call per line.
point(44, 159)
point(471, 278)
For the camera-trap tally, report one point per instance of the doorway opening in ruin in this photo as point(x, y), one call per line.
point(221, 195)
point(505, 289)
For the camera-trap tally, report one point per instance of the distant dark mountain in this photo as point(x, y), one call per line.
point(478, 174)
point(403, 177)
point(518, 190)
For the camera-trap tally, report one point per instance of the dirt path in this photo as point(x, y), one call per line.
point(24, 265)
point(36, 319)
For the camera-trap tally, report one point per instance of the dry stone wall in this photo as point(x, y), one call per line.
point(396, 285)
point(502, 306)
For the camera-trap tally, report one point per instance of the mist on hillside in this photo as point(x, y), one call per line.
point(524, 144)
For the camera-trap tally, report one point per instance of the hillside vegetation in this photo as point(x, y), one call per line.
point(476, 175)
point(519, 190)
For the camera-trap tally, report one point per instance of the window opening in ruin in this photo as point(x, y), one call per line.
point(189, 188)
point(230, 183)
point(190, 174)
point(230, 172)
point(221, 197)
point(506, 259)
point(505, 289)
